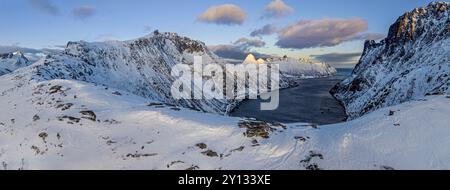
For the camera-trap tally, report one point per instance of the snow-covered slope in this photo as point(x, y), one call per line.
point(10, 62)
point(69, 124)
point(412, 135)
point(413, 61)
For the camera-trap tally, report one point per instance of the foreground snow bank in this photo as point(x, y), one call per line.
point(67, 124)
point(412, 135)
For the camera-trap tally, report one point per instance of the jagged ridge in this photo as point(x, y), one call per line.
point(413, 61)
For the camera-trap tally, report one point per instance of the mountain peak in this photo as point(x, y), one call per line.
point(250, 59)
point(170, 40)
point(420, 21)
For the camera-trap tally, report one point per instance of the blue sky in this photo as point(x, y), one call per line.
point(28, 25)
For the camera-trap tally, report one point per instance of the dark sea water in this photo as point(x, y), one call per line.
point(310, 102)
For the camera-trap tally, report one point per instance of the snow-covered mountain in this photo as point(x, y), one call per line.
point(412, 62)
point(251, 59)
point(10, 62)
point(290, 67)
point(141, 66)
point(303, 67)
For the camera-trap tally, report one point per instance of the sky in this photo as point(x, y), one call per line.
point(324, 30)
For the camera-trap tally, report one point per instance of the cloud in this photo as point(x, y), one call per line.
point(229, 51)
point(339, 59)
point(321, 33)
point(277, 9)
point(227, 14)
point(265, 30)
point(45, 6)
point(83, 12)
point(238, 49)
point(249, 43)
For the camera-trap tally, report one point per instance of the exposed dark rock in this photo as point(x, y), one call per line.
point(43, 135)
point(139, 155)
point(193, 167)
point(391, 113)
point(71, 119)
point(36, 117)
point(55, 89)
point(308, 162)
point(259, 128)
point(201, 145)
point(210, 153)
point(64, 107)
point(90, 115)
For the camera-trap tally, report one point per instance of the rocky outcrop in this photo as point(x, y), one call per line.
point(412, 62)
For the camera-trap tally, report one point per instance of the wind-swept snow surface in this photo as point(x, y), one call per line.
point(67, 124)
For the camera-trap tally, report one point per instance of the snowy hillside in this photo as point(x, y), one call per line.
point(68, 124)
point(10, 62)
point(413, 61)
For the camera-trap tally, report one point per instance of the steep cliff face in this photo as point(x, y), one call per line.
point(10, 62)
point(412, 62)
